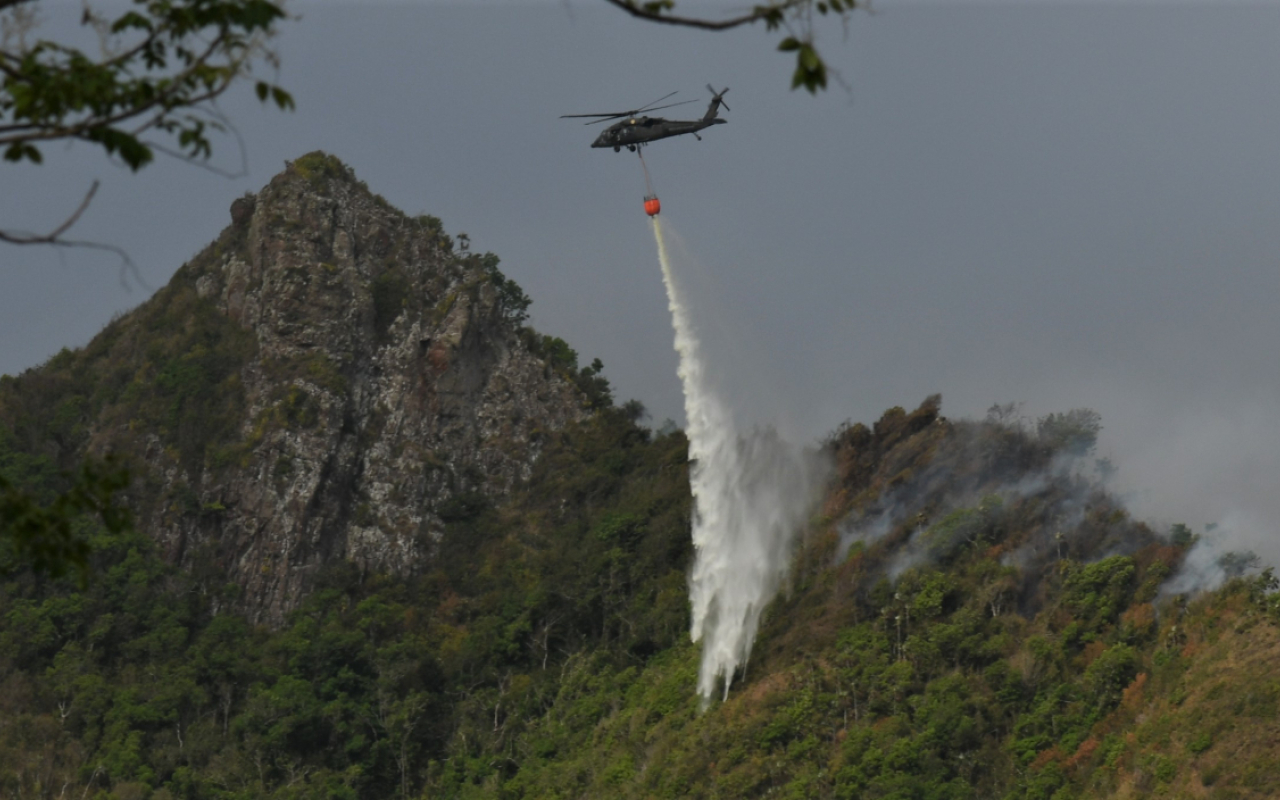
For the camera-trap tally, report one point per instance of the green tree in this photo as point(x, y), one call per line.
point(1073, 432)
point(53, 537)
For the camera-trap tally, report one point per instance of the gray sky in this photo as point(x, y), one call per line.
point(1067, 205)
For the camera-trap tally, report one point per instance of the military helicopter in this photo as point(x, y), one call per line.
point(635, 130)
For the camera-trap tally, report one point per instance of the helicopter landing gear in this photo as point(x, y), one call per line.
point(631, 147)
point(696, 136)
point(617, 149)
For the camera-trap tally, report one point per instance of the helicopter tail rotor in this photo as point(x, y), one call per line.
point(718, 97)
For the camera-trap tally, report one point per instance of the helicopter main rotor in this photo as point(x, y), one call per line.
point(619, 115)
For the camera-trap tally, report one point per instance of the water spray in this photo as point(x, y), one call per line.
point(751, 495)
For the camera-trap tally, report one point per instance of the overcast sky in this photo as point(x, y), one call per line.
point(1062, 204)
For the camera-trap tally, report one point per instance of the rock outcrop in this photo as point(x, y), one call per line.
point(386, 386)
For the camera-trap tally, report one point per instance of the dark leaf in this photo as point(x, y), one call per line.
point(283, 99)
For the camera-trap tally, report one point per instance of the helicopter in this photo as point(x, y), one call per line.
point(635, 130)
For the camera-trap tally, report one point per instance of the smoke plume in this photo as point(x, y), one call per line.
point(752, 492)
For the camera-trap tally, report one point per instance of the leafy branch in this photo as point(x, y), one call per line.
point(181, 54)
point(164, 63)
point(793, 16)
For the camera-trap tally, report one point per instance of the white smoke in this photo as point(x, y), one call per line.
point(1200, 571)
point(1208, 563)
point(868, 532)
point(752, 493)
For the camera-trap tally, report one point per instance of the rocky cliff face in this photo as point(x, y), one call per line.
point(371, 383)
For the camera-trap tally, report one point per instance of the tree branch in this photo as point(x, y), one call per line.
point(180, 156)
point(758, 14)
point(52, 237)
point(176, 85)
point(127, 265)
point(189, 52)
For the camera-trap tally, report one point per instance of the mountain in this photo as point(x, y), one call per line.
point(390, 542)
point(328, 380)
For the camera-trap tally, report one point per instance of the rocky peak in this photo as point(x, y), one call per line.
point(386, 383)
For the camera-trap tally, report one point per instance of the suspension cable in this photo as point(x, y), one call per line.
point(648, 187)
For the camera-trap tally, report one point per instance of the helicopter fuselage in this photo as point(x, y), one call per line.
point(639, 130)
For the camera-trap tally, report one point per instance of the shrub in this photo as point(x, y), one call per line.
point(1074, 432)
point(318, 166)
point(1109, 674)
point(390, 292)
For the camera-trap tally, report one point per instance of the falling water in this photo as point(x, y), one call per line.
point(751, 492)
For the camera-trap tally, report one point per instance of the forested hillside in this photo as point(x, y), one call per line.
point(969, 614)
point(545, 652)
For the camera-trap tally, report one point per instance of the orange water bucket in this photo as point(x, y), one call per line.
point(651, 205)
